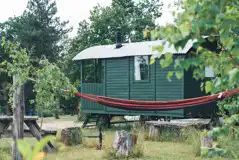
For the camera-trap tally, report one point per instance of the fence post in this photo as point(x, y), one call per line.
point(100, 138)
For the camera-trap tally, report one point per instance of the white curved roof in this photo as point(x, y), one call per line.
point(129, 49)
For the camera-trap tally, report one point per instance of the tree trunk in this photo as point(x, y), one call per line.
point(18, 118)
point(124, 143)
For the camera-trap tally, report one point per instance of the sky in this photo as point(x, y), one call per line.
point(74, 10)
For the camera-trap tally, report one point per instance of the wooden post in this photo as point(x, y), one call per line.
point(18, 118)
point(100, 138)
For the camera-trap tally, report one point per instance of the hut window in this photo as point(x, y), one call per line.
point(92, 71)
point(141, 68)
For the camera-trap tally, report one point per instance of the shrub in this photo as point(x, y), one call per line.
point(230, 144)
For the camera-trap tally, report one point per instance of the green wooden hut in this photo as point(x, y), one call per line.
point(123, 71)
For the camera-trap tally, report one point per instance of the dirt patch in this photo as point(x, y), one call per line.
point(59, 124)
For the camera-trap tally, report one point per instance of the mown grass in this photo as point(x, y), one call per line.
point(164, 149)
point(161, 150)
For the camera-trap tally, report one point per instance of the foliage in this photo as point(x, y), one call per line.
point(48, 86)
point(38, 30)
point(19, 63)
point(229, 132)
point(35, 153)
point(218, 20)
point(130, 15)
point(49, 81)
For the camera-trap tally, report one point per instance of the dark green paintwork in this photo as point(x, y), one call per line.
point(119, 83)
point(192, 89)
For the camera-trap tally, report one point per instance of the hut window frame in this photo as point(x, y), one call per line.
point(97, 71)
point(141, 71)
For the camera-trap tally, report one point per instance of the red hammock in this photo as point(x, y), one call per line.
point(155, 105)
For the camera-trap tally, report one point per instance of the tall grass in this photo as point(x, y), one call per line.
point(230, 144)
point(191, 136)
point(5, 150)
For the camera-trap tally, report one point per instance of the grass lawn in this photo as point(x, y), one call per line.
point(87, 150)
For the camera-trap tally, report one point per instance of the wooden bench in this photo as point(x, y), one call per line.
point(156, 126)
point(31, 123)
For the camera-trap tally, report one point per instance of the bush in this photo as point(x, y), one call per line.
point(230, 144)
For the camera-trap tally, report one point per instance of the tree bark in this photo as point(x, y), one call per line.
point(124, 143)
point(18, 118)
point(71, 136)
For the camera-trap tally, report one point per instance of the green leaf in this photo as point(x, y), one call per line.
point(235, 51)
point(152, 60)
point(217, 82)
point(23, 147)
point(168, 56)
point(40, 145)
point(158, 48)
point(179, 74)
point(169, 75)
point(233, 75)
point(208, 86)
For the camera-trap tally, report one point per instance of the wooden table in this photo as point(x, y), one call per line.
point(31, 122)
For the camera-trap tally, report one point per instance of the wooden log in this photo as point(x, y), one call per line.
point(71, 136)
point(124, 143)
point(18, 118)
point(153, 133)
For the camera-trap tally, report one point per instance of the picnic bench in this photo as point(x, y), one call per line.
point(31, 123)
point(176, 125)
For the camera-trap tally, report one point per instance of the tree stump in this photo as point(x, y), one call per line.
point(124, 143)
point(153, 133)
point(206, 142)
point(71, 136)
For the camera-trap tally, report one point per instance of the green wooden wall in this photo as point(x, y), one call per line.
point(117, 80)
point(119, 83)
point(192, 89)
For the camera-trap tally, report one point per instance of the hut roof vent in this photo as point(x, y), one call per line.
point(118, 38)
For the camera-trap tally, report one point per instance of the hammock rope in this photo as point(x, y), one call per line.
point(155, 105)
